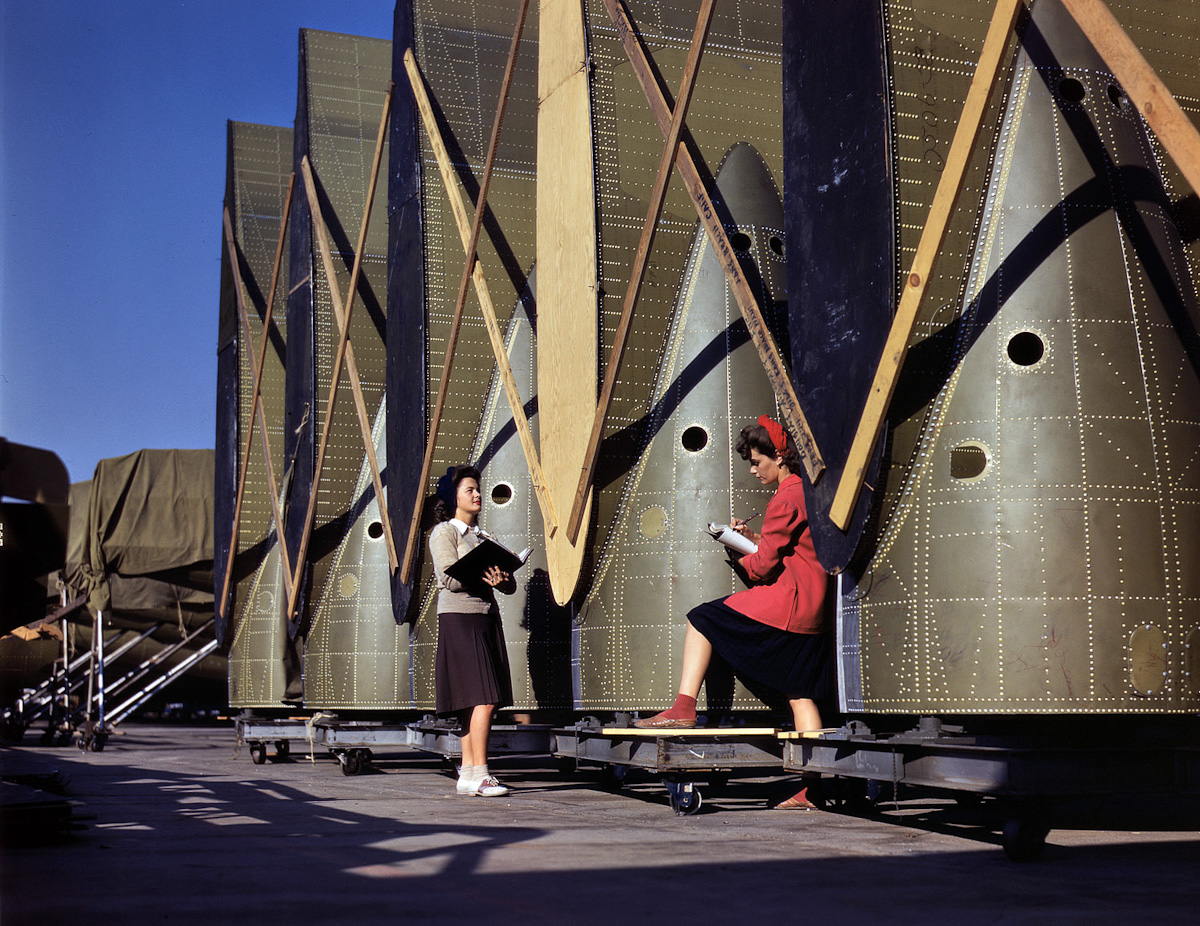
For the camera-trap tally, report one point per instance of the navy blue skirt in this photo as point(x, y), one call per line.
point(471, 666)
point(769, 661)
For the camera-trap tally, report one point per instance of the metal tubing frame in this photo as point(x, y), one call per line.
point(98, 642)
point(143, 669)
point(127, 707)
point(44, 697)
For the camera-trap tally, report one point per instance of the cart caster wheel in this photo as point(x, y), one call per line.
point(566, 765)
point(1024, 839)
point(352, 762)
point(258, 753)
point(449, 764)
point(685, 797)
point(613, 776)
point(47, 738)
point(97, 743)
point(83, 742)
point(283, 748)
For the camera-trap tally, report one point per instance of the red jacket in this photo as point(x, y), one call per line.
point(791, 586)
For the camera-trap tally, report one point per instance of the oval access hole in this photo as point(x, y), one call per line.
point(1025, 349)
point(1148, 660)
point(1071, 90)
point(968, 460)
point(694, 439)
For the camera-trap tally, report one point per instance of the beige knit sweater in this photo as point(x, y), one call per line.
point(447, 544)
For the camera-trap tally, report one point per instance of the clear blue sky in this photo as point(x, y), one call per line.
point(112, 175)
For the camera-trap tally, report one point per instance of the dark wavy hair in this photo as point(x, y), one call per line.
point(447, 490)
point(755, 437)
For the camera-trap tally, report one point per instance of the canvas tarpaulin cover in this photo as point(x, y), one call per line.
point(143, 539)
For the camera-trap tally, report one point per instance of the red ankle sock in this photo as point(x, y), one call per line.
point(684, 708)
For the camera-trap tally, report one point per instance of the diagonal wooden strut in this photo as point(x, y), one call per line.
point(471, 270)
point(256, 409)
point(768, 353)
point(641, 261)
point(458, 208)
point(345, 354)
point(896, 347)
point(1149, 94)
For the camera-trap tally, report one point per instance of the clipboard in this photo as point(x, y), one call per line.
point(470, 567)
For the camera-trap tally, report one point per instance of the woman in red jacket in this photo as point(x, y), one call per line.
point(772, 633)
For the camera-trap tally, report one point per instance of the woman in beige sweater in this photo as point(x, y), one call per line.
point(472, 678)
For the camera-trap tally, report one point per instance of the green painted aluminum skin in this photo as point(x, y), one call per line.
point(658, 561)
point(355, 655)
point(353, 658)
point(1037, 552)
point(262, 660)
point(462, 49)
point(537, 632)
point(1057, 579)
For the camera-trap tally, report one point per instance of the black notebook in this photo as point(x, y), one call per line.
point(470, 567)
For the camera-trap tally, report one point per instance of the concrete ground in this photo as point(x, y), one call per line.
point(181, 827)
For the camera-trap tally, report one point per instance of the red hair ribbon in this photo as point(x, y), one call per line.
point(775, 431)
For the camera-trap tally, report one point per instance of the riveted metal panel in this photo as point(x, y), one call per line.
point(263, 661)
point(356, 656)
point(654, 569)
point(1074, 364)
point(461, 49)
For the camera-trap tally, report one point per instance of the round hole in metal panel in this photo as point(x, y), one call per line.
point(375, 530)
point(1191, 660)
point(502, 493)
point(694, 439)
point(969, 461)
point(653, 523)
point(776, 245)
point(1147, 660)
point(740, 241)
point(1117, 97)
point(348, 585)
point(1071, 90)
point(1026, 348)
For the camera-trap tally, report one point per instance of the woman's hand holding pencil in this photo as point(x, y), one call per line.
point(741, 525)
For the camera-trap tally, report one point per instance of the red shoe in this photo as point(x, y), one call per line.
point(798, 801)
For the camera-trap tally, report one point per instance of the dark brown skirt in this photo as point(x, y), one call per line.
point(791, 665)
point(472, 662)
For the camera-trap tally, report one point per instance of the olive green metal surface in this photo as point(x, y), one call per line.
point(658, 560)
point(1038, 550)
point(262, 660)
point(355, 654)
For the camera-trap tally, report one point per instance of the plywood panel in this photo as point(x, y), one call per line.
point(566, 261)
